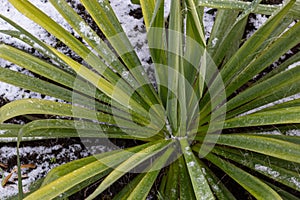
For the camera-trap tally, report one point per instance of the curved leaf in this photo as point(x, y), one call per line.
point(253, 185)
point(277, 148)
point(291, 115)
point(9, 132)
point(129, 164)
point(38, 106)
point(283, 85)
point(71, 178)
point(61, 128)
point(262, 165)
point(107, 21)
point(142, 189)
point(34, 42)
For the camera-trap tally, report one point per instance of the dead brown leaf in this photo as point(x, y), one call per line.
point(3, 165)
point(15, 170)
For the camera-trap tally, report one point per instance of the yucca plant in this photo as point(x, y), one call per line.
point(202, 119)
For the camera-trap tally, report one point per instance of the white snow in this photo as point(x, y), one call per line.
point(294, 132)
point(8, 91)
point(296, 64)
point(134, 28)
point(267, 170)
point(136, 33)
point(295, 181)
point(208, 21)
point(257, 22)
point(274, 132)
point(188, 150)
point(191, 164)
point(47, 158)
point(167, 8)
point(214, 42)
point(286, 99)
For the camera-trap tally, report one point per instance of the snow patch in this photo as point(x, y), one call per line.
point(293, 132)
point(208, 22)
point(297, 64)
point(257, 22)
point(267, 170)
point(134, 28)
point(191, 164)
point(295, 181)
point(214, 42)
point(290, 98)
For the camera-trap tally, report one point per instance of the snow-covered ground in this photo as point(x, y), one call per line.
point(135, 30)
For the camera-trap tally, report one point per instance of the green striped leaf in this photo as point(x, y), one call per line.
point(265, 9)
point(143, 188)
point(71, 178)
point(253, 185)
point(198, 179)
point(130, 163)
point(261, 165)
point(278, 148)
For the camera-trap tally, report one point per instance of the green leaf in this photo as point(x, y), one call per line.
point(232, 37)
point(291, 115)
point(198, 179)
point(171, 182)
point(149, 13)
point(71, 178)
point(275, 147)
point(185, 184)
point(126, 191)
point(101, 48)
point(196, 20)
point(157, 42)
point(106, 20)
point(38, 106)
point(114, 92)
point(130, 163)
point(223, 23)
point(36, 65)
point(284, 194)
point(253, 185)
point(142, 189)
point(175, 53)
point(283, 66)
point(61, 128)
point(245, 55)
point(9, 132)
point(34, 42)
point(263, 118)
point(92, 59)
point(262, 165)
point(266, 57)
point(265, 9)
point(34, 84)
point(283, 84)
point(255, 43)
point(48, 71)
point(216, 185)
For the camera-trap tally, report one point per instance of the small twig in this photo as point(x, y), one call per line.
point(3, 165)
point(15, 170)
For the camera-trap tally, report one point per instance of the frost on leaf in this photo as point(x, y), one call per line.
point(267, 170)
point(191, 164)
point(295, 181)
